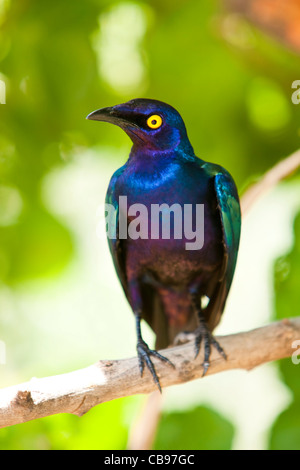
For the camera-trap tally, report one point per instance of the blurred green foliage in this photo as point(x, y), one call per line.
point(285, 434)
point(210, 431)
point(62, 59)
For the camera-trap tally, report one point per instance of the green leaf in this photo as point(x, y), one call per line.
point(286, 430)
point(285, 433)
point(198, 429)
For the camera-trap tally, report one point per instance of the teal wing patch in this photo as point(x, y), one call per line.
point(229, 207)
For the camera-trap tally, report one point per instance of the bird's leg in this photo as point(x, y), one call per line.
point(204, 334)
point(143, 350)
point(144, 353)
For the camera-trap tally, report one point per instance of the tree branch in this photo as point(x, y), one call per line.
point(270, 179)
point(77, 392)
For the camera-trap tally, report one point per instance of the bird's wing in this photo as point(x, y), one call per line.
point(230, 216)
point(116, 246)
point(229, 208)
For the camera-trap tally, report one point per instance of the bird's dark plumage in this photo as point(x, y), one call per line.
point(164, 282)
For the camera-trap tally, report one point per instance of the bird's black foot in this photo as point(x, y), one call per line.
point(203, 333)
point(144, 353)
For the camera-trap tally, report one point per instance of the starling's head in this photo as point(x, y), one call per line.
point(149, 123)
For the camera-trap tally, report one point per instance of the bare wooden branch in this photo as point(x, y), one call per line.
point(77, 392)
point(271, 178)
point(143, 432)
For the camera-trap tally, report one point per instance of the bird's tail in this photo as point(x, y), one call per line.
point(215, 308)
point(172, 314)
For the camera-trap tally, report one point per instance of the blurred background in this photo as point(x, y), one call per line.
point(228, 67)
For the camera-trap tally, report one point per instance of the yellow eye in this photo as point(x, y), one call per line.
point(154, 121)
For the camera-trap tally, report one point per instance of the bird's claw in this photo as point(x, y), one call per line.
point(203, 333)
point(144, 353)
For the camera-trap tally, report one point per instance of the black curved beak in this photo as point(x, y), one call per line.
point(103, 114)
point(120, 115)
